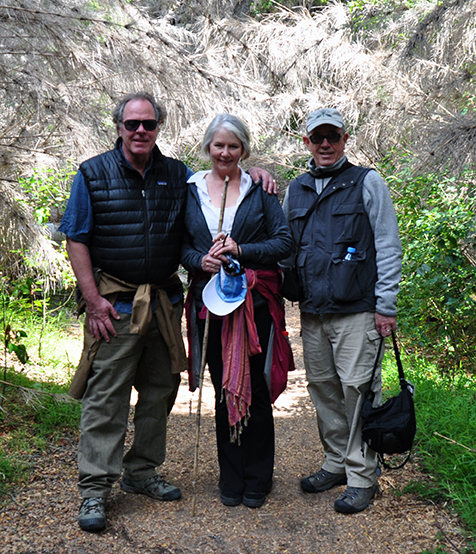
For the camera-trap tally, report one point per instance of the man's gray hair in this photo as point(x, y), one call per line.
point(230, 123)
point(118, 111)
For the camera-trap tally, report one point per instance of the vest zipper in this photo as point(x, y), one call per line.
point(146, 228)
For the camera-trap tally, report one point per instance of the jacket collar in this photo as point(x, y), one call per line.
point(323, 172)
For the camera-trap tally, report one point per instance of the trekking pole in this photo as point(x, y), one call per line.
point(204, 360)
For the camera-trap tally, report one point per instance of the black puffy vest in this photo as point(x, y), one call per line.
point(331, 284)
point(138, 222)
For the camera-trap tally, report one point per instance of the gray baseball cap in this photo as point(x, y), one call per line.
point(324, 116)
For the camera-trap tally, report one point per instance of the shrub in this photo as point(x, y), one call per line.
point(437, 302)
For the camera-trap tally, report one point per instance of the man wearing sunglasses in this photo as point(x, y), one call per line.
point(124, 227)
point(348, 256)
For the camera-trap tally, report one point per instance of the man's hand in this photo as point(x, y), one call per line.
point(100, 312)
point(269, 184)
point(98, 308)
point(385, 325)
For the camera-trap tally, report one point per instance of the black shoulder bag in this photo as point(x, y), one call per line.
point(390, 428)
point(291, 288)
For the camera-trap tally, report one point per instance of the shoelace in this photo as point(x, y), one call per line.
point(352, 492)
point(156, 479)
point(156, 482)
point(320, 475)
point(92, 505)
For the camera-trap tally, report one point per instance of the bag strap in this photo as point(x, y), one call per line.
point(388, 466)
point(401, 375)
point(369, 394)
point(403, 384)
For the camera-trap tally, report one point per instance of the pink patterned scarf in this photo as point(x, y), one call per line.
point(240, 341)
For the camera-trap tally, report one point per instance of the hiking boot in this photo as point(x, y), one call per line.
point(355, 499)
point(155, 487)
point(254, 499)
point(92, 515)
point(230, 498)
point(322, 481)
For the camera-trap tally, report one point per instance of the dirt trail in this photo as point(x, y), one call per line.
point(41, 519)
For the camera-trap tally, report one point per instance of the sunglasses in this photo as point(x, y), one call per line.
point(134, 124)
point(332, 138)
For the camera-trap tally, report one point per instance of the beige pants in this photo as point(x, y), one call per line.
point(339, 354)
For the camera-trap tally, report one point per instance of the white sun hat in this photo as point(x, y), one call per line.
point(224, 292)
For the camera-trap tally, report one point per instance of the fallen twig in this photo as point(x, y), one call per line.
point(32, 395)
point(454, 442)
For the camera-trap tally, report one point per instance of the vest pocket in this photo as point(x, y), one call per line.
point(347, 222)
point(344, 278)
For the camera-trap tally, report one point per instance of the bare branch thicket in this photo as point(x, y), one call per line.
point(64, 67)
point(302, 75)
point(64, 64)
point(434, 70)
point(274, 71)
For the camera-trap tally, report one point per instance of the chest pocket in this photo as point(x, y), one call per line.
point(347, 222)
point(297, 218)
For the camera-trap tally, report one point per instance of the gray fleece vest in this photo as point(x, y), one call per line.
point(332, 284)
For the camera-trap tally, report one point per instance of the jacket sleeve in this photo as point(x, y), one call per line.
point(383, 221)
point(196, 239)
point(273, 245)
point(191, 258)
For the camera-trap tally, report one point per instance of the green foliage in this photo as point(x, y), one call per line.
point(468, 99)
point(53, 417)
point(262, 6)
point(446, 434)
point(437, 302)
point(290, 170)
point(195, 161)
point(94, 5)
point(26, 428)
point(440, 550)
point(369, 16)
point(259, 7)
point(35, 408)
point(49, 340)
point(48, 191)
point(10, 470)
point(14, 298)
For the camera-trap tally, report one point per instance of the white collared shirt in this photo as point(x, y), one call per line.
point(211, 212)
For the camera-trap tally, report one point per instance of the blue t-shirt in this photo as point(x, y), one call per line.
point(77, 222)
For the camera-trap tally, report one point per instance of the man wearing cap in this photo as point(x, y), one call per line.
point(124, 225)
point(349, 264)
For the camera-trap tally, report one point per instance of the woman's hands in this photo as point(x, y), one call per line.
point(210, 264)
point(222, 244)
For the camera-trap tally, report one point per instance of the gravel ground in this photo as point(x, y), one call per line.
point(41, 517)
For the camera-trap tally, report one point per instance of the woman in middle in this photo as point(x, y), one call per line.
point(248, 355)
